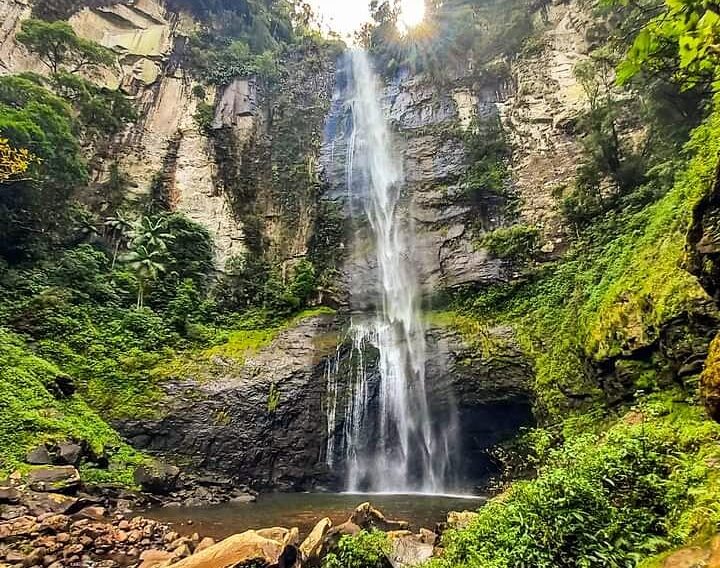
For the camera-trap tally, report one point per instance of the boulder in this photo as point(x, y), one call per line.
point(409, 550)
point(367, 517)
point(9, 494)
point(243, 549)
point(156, 558)
point(69, 453)
point(39, 503)
point(157, 478)
point(207, 542)
point(38, 456)
point(58, 478)
point(313, 546)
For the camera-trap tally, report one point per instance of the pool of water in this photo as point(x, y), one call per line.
point(303, 510)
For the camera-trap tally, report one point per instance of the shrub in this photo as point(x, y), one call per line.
point(604, 499)
point(364, 550)
point(518, 242)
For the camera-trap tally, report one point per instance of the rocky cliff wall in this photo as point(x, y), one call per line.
point(166, 143)
point(536, 97)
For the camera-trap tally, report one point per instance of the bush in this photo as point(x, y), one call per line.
point(518, 242)
point(603, 499)
point(364, 550)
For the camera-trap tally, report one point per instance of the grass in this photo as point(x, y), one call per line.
point(31, 412)
point(253, 333)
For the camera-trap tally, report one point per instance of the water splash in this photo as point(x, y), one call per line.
point(387, 441)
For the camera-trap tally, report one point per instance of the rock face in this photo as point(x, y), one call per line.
point(540, 111)
point(166, 146)
point(491, 387)
point(259, 421)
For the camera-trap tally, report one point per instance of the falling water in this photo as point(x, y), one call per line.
point(389, 445)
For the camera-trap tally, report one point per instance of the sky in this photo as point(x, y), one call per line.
point(342, 16)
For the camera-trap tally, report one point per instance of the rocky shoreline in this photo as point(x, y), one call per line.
point(49, 519)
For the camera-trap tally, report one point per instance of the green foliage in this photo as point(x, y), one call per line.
point(34, 409)
point(613, 290)
point(452, 32)
point(32, 117)
point(221, 63)
point(204, 117)
point(613, 493)
point(363, 550)
point(683, 37)
point(517, 242)
point(102, 111)
point(59, 47)
point(487, 153)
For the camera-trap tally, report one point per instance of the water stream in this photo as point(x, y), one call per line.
point(387, 440)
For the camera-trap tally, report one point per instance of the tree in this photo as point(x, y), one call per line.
point(13, 161)
point(58, 46)
point(151, 233)
point(147, 265)
point(685, 37)
point(119, 228)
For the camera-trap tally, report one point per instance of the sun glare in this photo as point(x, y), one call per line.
point(412, 13)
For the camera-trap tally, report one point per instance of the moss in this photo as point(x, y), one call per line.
point(237, 346)
point(710, 379)
point(613, 291)
point(33, 410)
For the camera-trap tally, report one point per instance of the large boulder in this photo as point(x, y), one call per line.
point(409, 550)
point(57, 478)
point(157, 478)
point(38, 456)
point(248, 548)
point(312, 548)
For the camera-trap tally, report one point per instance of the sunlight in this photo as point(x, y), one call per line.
point(412, 13)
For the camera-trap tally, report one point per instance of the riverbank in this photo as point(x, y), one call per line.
point(50, 529)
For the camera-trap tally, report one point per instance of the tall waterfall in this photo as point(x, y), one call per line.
point(389, 444)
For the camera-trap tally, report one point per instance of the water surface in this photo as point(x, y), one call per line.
point(303, 510)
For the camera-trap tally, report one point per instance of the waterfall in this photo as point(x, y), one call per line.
point(388, 441)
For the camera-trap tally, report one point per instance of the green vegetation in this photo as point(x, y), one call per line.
point(58, 46)
point(517, 242)
point(616, 484)
point(363, 550)
point(612, 292)
point(616, 491)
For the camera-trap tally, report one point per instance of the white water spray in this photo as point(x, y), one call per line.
point(393, 448)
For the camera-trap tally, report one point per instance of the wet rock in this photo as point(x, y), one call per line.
point(54, 478)
point(69, 453)
point(242, 549)
point(9, 494)
point(221, 423)
point(409, 550)
point(368, 518)
point(312, 547)
point(39, 503)
point(39, 456)
point(55, 523)
point(157, 478)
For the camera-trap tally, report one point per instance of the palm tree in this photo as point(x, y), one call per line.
point(119, 228)
point(150, 233)
point(147, 266)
